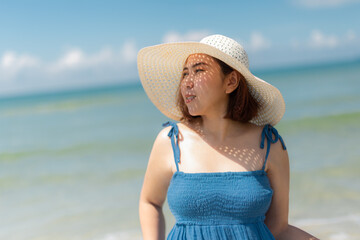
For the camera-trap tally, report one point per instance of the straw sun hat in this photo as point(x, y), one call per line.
point(160, 68)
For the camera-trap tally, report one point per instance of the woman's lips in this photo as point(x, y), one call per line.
point(189, 98)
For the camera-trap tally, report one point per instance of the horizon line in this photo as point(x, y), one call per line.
point(135, 82)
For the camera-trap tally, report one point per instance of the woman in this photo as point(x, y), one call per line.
point(217, 170)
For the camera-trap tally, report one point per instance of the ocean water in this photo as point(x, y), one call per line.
point(72, 163)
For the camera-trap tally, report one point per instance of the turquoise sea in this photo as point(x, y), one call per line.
point(72, 163)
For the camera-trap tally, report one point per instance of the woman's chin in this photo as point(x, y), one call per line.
point(193, 113)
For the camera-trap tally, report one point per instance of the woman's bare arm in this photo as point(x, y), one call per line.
point(277, 215)
point(153, 193)
point(279, 177)
point(294, 233)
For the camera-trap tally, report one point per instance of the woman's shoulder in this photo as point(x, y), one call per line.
point(162, 138)
point(162, 148)
point(161, 151)
point(278, 155)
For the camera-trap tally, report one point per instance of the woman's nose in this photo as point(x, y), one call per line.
point(189, 83)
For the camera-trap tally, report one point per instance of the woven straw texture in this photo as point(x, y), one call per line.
point(160, 68)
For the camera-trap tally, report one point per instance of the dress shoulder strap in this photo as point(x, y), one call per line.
point(268, 131)
point(174, 136)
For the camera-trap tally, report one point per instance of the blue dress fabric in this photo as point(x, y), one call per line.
point(220, 205)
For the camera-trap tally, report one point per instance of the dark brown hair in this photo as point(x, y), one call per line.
point(242, 105)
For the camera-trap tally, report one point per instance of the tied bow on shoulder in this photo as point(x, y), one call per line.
point(174, 132)
point(267, 132)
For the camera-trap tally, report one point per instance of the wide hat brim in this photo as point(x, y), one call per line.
point(160, 68)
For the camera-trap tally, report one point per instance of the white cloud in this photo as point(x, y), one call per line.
point(75, 59)
point(320, 40)
point(71, 59)
point(11, 64)
point(129, 51)
point(324, 3)
point(174, 36)
point(73, 68)
point(258, 42)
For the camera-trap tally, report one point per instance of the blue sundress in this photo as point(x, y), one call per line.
point(220, 205)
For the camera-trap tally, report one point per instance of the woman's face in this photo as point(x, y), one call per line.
point(202, 86)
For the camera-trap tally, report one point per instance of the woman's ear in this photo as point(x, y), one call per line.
point(232, 81)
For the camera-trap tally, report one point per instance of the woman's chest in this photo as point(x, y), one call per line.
point(197, 155)
point(220, 194)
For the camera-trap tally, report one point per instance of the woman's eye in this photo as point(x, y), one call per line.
point(199, 70)
point(184, 74)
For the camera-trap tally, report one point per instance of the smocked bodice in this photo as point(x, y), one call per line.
point(219, 198)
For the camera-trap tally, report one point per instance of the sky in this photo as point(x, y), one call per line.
point(54, 45)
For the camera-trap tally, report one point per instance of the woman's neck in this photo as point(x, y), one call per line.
point(219, 129)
